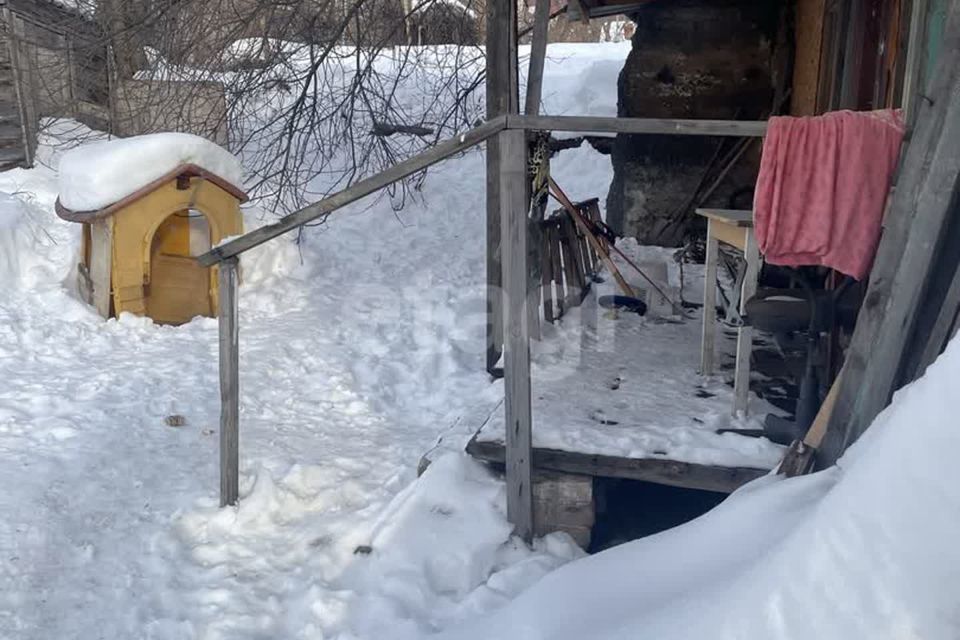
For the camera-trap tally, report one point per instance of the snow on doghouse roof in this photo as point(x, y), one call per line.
point(99, 174)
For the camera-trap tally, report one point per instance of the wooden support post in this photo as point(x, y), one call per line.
point(538, 52)
point(708, 336)
point(501, 100)
point(913, 69)
point(741, 376)
point(229, 384)
point(513, 223)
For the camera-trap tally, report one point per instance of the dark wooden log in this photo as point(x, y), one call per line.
point(516, 347)
point(229, 383)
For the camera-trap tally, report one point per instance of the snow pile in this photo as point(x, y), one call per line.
point(440, 550)
point(98, 174)
point(867, 549)
point(33, 252)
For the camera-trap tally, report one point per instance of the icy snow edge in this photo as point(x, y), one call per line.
point(98, 174)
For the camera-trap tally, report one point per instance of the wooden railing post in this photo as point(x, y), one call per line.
point(513, 225)
point(229, 383)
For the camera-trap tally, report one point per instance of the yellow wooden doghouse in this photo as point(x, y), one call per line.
point(138, 254)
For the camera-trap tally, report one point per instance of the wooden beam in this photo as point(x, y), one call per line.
point(486, 131)
point(672, 473)
point(929, 173)
point(675, 126)
point(353, 193)
point(229, 383)
point(538, 54)
point(516, 347)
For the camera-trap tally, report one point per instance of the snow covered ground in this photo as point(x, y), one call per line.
point(359, 348)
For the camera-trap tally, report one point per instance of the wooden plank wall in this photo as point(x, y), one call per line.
point(568, 261)
point(15, 134)
point(923, 201)
point(52, 63)
point(806, 66)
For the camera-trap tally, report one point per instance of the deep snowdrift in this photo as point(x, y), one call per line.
point(867, 549)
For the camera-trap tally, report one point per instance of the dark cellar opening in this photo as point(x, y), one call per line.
point(631, 509)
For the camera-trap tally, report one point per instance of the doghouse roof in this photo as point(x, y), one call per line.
point(98, 177)
point(184, 170)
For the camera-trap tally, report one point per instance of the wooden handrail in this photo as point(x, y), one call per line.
point(353, 193)
point(462, 142)
point(667, 126)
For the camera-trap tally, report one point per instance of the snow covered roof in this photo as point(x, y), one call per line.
point(95, 176)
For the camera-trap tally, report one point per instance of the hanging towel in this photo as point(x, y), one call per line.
point(822, 187)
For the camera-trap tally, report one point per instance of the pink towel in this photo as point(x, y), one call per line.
point(822, 187)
